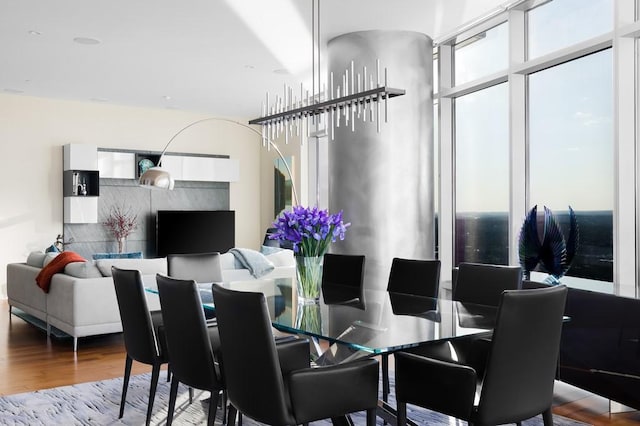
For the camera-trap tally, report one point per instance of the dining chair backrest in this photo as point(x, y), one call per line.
point(190, 351)
point(343, 280)
point(140, 340)
point(251, 365)
point(412, 276)
point(483, 284)
point(522, 362)
point(200, 267)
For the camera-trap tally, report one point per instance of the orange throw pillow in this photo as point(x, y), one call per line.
point(56, 265)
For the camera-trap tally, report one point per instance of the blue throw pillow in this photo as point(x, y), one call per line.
point(267, 250)
point(129, 255)
point(52, 249)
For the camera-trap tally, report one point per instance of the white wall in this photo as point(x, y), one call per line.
point(33, 130)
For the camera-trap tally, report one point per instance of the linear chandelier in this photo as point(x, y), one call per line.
point(357, 96)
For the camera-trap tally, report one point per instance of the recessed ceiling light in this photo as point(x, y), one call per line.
point(34, 33)
point(249, 67)
point(99, 99)
point(281, 71)
point(86, 40)
point(15, 91)
point(166, 97)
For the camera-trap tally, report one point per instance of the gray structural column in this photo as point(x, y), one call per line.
point(384, 181)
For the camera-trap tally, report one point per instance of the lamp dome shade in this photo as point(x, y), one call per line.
point(156, 178)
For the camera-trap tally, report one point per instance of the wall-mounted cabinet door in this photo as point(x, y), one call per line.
point(208, 169)
point(117, 165)
point(173, 164)
point(80, 209)
point(79, 156)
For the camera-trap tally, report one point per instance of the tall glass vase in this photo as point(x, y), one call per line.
point(308, 278)
point(121, 244)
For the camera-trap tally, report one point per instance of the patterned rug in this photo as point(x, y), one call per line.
point(97, 403)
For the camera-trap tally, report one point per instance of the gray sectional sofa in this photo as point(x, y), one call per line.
point(82, 301)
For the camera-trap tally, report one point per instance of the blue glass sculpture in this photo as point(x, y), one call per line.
point(546, 248)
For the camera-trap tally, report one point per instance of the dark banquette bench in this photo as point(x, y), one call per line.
point(600, 345)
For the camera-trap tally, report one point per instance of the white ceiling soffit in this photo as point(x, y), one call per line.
point(214, 56)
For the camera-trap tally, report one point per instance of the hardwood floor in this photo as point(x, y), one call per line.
point(29, 361)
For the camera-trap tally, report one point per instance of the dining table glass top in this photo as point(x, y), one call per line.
point(382, 322)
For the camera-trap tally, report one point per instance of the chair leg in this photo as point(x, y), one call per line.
point(125, 384)
point(371, 417)
point(190, 395)
point(173, 395)
point(155, 374)
point(231, 415)
point(224, 405)
point(402, 413)
point(168, 372)
point(213, 407)
point(385, 377)
point(547, 417)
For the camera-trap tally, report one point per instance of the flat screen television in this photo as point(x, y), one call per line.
point(194, 231)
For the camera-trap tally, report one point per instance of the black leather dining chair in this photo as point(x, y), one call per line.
point(343, 280)
point(275, 384)
point(142, 341)
point(192, 345)
point(483, 284)
point(415, 277)
point(519, 373)
point(477, 284)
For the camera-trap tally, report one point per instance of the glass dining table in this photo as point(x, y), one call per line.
point(346, 325)
point(384, 322)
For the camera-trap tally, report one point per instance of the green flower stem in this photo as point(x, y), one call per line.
point(309, 276)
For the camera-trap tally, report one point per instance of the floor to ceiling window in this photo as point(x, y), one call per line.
point(482, 176)
point(481, 127)
point(529, 116)
point(571, 155)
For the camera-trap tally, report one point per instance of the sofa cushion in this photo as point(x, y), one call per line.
point(228, 261)
point(56, 265)
point(145, 266)
point(283, 257)
point(83, 270)
point(36, 259)
point(48, 257)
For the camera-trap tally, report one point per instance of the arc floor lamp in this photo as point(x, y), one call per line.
point(160, 178)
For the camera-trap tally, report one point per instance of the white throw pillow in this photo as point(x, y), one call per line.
point(36, 259)
point(48, 257)
point(228, 261)
point(145, 266)
point(82, 270)
point(283, 257)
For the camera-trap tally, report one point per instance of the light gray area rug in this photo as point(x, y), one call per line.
point(97, 403)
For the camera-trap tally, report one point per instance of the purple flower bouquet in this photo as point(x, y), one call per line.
point(311, 230)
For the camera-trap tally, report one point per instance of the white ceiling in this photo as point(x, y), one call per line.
point(211, 56)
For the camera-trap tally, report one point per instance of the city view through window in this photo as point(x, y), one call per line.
point(569, 139)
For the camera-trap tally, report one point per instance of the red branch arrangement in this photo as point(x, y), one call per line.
point(121, 222)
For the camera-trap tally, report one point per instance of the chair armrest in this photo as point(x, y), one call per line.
point(345, 388)
point(293, 354)
point(442, 386)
